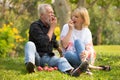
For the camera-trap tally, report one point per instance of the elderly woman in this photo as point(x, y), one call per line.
point(76, 40)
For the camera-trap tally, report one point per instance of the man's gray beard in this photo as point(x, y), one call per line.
point(48, 21)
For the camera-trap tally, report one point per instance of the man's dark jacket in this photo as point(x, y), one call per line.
point(38, 34)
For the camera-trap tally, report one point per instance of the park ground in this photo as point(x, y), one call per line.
point(14, 68)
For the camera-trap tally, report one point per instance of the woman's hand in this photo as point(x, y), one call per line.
point(71, 25)
point(83, 56)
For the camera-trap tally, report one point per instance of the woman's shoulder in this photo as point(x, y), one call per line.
point(65, 26)
point(86, 29)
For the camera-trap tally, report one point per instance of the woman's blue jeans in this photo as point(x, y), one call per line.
point(74, 57)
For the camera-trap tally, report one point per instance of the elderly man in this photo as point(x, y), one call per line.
point(38, 51)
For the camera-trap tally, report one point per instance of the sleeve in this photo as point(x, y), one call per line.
point(64, 31)
point(38, 35)
point(55, 42)
point(88, 36)
point(89, 47)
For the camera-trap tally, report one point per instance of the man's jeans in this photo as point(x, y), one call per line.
point(74, 57)
point(31, 55)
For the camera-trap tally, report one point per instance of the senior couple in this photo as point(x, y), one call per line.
point(77, 54)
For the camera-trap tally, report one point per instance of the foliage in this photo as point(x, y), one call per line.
point(9, 39)
point(103, 14)
point(74, 1)
point(22, 13)
point(105, 20)
point(57, 33)
point(105, 56)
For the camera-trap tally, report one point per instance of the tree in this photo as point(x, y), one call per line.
point(81, 3)
point(62, 10)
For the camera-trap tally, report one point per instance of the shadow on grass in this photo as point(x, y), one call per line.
point(15, 64)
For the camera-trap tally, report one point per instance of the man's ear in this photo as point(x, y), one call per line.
point(41, 15)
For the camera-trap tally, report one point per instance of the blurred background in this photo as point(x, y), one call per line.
point(17, 15)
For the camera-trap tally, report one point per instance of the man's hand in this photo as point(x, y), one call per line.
point(60, 51)
point(53, 21)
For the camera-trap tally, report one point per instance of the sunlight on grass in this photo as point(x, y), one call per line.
point(14, 68)
point(108, 49)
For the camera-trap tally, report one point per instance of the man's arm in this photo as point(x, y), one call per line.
point(56, 46)
point(53, 22)
point(60, 51)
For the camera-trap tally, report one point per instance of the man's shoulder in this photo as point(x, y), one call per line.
point(37, 23)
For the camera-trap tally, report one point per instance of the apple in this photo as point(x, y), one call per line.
point(50, 69)
point(46, 68)
point(55, 68)
point(39, 68)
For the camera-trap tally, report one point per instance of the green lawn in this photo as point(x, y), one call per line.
point(14, 69)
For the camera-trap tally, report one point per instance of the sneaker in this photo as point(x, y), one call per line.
point(80, 69)
point(106, 68)
point(30, 67)
point(88, 72)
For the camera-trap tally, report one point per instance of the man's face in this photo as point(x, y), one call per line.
point(47, 15)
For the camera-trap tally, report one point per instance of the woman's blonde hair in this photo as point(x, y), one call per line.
point(84, 15)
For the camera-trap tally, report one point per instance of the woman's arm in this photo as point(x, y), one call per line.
point(65, 40)
point(91, 52)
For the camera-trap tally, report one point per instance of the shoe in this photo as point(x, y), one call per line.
point(88, 72)
point(80, 69)
point(106, 68)
point(30, 67)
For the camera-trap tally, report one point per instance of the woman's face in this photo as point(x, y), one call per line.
point(77, 19)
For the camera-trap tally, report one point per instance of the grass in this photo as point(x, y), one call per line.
point(14, 68)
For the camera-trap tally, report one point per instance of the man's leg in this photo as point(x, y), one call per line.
point(61, 63)
point(64, 66)
point(30, 56)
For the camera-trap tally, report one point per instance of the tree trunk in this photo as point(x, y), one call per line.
point(99, 35)
point(2, 9)
point(62, 10)
point(81, 3)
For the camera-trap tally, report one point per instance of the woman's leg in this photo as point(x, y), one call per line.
point(79, 46)
point(80, 50)
point(95, 67)
point(73, 58)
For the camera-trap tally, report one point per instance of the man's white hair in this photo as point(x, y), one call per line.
point(42, 8)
